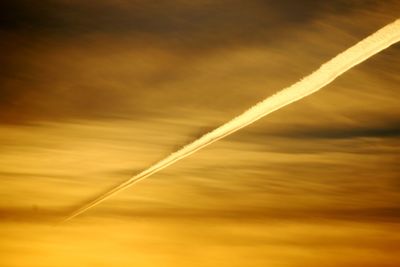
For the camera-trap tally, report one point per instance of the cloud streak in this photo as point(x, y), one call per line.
point(328, 72)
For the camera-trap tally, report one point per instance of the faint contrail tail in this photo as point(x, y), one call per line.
point(329, 71)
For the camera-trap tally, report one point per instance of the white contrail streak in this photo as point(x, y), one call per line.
point(329, 71)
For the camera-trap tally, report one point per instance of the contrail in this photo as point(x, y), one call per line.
point(373, 44)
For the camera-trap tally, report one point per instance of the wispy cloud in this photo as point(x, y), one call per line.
point(329, 71)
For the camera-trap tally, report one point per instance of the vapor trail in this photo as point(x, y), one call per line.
point(329, 71)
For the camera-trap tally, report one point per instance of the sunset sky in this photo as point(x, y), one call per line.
point(93, 92)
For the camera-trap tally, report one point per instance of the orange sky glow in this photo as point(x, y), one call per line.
point(92, 93)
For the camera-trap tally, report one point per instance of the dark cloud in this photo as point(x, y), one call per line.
point(106, 59)
point(198, 24)
point(383, 214)
point(390, 128)
point(158, 17)
point(390, 214)
point(33, 213)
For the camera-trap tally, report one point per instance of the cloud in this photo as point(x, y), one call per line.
point(189, 18)
point(340, 131)
point(85, 98)
point(116, 59)
point(344, 214)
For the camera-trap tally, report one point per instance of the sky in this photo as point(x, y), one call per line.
point(93, 92)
